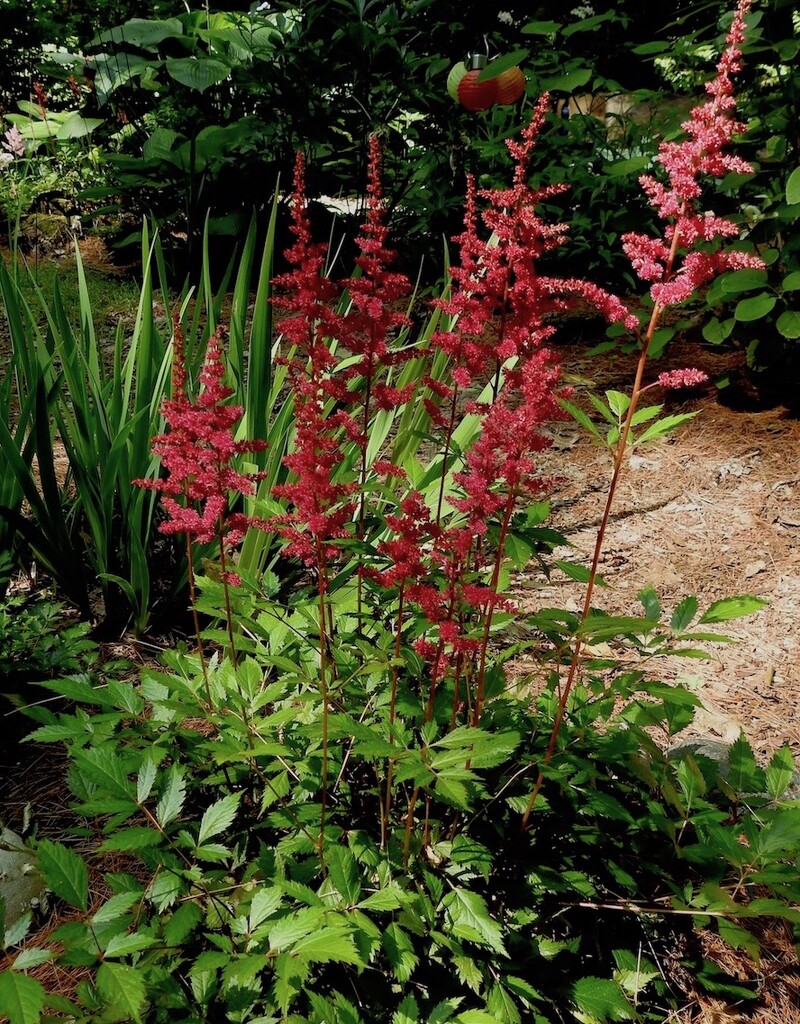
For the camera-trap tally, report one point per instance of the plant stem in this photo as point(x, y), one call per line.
point(446, 454)
point(498, 561)
point(619, 457)
point(322, 585)
point(196, 618)
point(387, 806)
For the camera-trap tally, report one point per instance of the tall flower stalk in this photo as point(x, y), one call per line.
point(675, 266)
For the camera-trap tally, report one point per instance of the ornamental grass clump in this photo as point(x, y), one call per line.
point(326, 822)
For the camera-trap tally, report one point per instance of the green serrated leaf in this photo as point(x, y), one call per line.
point(684, 614)
point(733, 608)
point(21, 998)
point(145, 780)
point(265, 902)
point(407, 1012)
point(172, 797)
point(218, 817)
point(470, 918)
point(122, 990)
point(64, 872)
point(399, 952)
point(780, 772)
point(343, 872)
point(603, 999)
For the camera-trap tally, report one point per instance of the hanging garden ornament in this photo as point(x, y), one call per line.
point(475, 95)
point(457, 72)
point(510, 85)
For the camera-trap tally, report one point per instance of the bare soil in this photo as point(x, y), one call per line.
point(713, 510)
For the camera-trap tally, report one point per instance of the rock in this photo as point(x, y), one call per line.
point(20, 883)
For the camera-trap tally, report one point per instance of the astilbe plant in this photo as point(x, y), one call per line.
point(198, 453)
point(336, 838)
point(675, 266)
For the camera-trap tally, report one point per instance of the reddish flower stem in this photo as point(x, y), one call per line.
point(619, 457)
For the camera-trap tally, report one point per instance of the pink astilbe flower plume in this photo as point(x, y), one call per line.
point(709, 130)
point(198, 452)
point(320, 507)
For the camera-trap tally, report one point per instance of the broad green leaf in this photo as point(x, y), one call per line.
point(198, 73)
point(116, 907)
point(716, 331)
point(182, 923)
point(791, 283)
point(21, 998)
point(102, 767)
point(793, 187)
point(501, 1005)
point(748, 310)
point(684, 614)
point(326, 945)
point(218, 817)
point(570, 82)
point(125, 944)
point(780, 772)
point(383, 899)
point(172, 797)
point(142, 32)
point(501, 64)
point(540, 28)
point(744, 281)
point(65, 872)
point(580, 417)
point(122, 989)
point(33, 956)
point(579, 573)
point(788, 324)
point(733, 608)
point(603, 999)
point(650, 602)
point(477, 1017)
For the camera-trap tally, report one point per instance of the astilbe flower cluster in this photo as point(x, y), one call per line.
point(320, 506)
point(709, 130)
point(198, 452)
point(502, 308)
point(373, 317)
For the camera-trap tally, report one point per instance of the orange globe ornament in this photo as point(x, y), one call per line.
point(510, 86)
point(457, 72)
point(472, 94)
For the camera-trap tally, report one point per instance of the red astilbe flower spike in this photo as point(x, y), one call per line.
point(709, 130)
point(320, 506)
point(198, 451)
